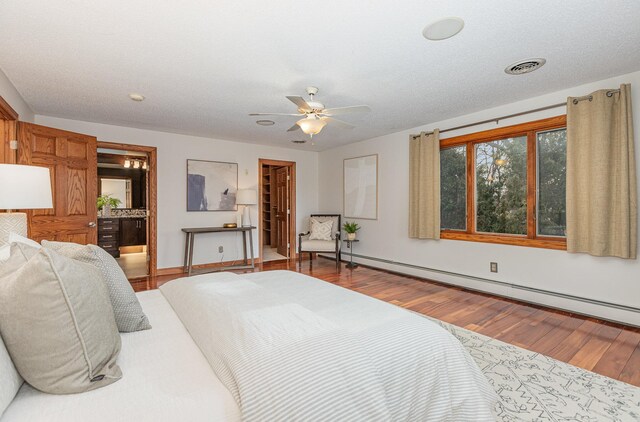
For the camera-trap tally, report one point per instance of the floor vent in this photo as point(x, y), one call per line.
point(524, 66)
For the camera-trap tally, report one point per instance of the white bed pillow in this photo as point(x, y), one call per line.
point(16, 238)
point(321, 230)
point(4, 252)
point(57, 324)
point(128, 312)
point(19, 254)
point(10, 379)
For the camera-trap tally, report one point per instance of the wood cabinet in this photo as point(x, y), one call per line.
point(109, 235)
point(133, 231)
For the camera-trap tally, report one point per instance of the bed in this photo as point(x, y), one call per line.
point(272, 346)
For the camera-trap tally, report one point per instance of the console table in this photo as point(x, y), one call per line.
point(191, 234)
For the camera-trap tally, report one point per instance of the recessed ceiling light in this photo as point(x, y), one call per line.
point(443, 28)
point(136, 97)
point(524, 66)
point(265, 122)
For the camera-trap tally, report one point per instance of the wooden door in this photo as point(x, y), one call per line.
point(72, 160)
point(282, 210)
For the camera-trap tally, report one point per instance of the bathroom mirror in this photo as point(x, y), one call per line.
point(119, 188)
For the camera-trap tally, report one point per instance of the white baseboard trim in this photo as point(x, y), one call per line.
point(614, 312)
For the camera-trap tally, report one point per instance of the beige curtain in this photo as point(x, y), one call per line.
point(424, 186)
point(601, 175)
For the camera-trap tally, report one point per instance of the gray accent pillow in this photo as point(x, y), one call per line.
point(126, 307)
point(57, 323)
point(10, 379)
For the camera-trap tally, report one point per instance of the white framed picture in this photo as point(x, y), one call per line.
point(360, 183)
point(211, 185)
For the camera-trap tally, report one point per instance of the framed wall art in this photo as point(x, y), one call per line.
point(361, 187)
point(211, 185)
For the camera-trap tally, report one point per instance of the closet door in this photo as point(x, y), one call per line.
point(72, 160)
point(282, 210)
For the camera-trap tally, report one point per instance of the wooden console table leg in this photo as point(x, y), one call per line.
point(186, 252)
point(191, 252)
point(253, 264)
point(244, 246)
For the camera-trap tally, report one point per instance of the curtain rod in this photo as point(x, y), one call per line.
point(522, 113)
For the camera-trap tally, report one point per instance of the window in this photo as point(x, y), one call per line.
point(501, 186)
point(506, 185)
point(552, 182)
point(453, 188)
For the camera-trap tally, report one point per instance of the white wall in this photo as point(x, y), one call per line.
point(13, 97)
point(607, 279)
point(173, 152)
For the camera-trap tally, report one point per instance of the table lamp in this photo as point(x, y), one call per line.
point(21, 188)
point(246, 197)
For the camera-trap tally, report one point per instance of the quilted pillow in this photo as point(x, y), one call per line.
point(58, 326)
point(321, 230)
point(128, 312)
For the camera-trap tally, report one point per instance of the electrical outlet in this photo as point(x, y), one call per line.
point(494, 267)
point(220, 249)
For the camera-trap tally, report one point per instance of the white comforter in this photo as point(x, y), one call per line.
point(291, 347)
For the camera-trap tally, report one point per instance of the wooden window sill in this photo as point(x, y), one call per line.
point(539, 242)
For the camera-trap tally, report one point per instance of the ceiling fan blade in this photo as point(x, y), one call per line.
point(300, 102)
point(337, 123)
point(293, 128)
point(274, 114)
point(345, 110)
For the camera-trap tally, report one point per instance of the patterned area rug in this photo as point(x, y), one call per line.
point(534, 387)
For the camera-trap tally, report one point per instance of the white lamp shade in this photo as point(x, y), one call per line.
point(311, 125)
point(24, 187)
point(246, 197)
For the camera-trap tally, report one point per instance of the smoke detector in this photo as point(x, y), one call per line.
point(443, 28)
point(524, 66)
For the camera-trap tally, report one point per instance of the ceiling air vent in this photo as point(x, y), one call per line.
point(299, 141)
point(524, 66)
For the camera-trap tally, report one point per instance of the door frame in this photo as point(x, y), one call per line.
point(152, 203)
point(292, 204)
point(8, 132)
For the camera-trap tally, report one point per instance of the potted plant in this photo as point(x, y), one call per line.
point(105, 203)
point(351, 227)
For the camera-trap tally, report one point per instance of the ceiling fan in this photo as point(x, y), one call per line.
point(316, 116)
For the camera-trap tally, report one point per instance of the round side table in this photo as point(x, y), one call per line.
point(350, 243)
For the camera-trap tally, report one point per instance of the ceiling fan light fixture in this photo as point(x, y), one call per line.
point(311, 125)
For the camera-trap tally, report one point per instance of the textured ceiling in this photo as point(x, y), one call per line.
point(203, 65)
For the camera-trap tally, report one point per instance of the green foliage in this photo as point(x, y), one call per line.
point(350, 227)
point(453, 188)
point(107, 200)
point(552, 182)
point(501, 186)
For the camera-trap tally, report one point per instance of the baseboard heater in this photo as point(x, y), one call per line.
point(502, 283)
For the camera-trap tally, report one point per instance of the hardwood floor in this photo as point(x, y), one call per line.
point(606, 348)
